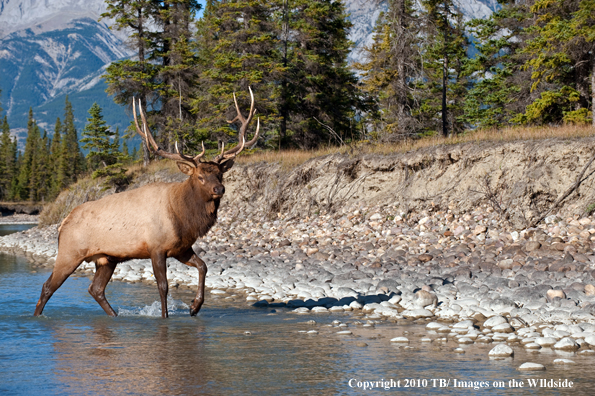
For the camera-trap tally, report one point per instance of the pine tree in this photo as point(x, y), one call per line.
point(17, 161)
point(128, 79)
point(237, 49)
point(322, 92)
point(502, 88)
point(178, 71)
point(55, 152)
point(162, 75)
point(583, 24)
point(125, 150)
point(71, 161)
point(393, 64)
point(134, 155)
point(27, 166)
point(7, 162)
point(104, 156)
point(444, 86)
point(39, 180)
point(561, 60)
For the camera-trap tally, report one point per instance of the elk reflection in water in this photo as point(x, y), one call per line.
point(104, 357)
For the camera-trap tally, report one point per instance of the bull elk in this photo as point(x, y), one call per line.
point(156, 221)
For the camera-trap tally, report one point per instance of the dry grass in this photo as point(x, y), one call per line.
point(292, 158)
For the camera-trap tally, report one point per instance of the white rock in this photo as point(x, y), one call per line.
point(512, 338)
point(564, 361)
point(531, 367)
point(494, 321)
point(371, 307)
point(566, 344)
point(344, 332)
point(501, 350)
point(433, 326)
point(464, 324)
point(545, 341)
point(502, 328)
point(417, 313)
point(400, 339)
point(376, 216)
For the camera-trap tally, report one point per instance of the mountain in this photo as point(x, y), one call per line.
point(39, 70)
point(50, 49)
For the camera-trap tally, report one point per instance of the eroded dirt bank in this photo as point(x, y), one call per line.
point(519, 179)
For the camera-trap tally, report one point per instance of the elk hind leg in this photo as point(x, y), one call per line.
point(64, 267)
point(104, 270)
point(191, 259)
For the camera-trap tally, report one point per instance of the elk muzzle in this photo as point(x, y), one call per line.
point(218, 191)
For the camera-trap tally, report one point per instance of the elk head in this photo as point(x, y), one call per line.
point(208, 174)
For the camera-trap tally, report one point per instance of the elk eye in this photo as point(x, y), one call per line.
point(200, 179)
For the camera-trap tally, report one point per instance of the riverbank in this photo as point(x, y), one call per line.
point(19, 218)
point(337, 235)
point(430, 266)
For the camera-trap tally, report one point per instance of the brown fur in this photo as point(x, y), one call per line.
point(157, 221)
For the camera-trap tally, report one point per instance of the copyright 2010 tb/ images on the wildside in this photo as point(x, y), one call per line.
point(456, 383)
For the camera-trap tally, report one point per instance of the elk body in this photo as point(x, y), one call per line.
point(157, 221)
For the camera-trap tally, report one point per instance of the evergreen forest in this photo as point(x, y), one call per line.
point(428, 72)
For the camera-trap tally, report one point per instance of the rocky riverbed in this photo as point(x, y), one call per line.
point(472, 276)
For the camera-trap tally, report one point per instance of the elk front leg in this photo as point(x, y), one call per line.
point(191, 259)
point(64, 267)
point(160, 272)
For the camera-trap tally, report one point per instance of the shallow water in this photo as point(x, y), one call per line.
point(6, 229)
point(75, 349)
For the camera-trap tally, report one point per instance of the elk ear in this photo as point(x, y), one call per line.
point(226, 165)
point(185, 167)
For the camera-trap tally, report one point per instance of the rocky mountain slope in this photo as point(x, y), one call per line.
point(50, 49)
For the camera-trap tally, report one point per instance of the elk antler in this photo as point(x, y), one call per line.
point(148, 138)
point(229, 154)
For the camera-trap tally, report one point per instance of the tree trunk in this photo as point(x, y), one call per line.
point(444, 108)
point(445, 74)
point(401, 77)
point(283, 111)
point(593, 90)
point(141, 59)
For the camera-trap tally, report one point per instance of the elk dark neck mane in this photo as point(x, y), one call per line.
point(193, 212)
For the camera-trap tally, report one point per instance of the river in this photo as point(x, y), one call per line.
point(232, 348)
